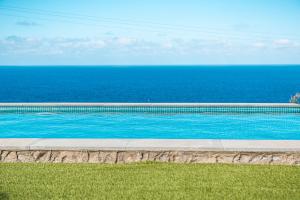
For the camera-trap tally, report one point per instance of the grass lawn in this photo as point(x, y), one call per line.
point(148, 181)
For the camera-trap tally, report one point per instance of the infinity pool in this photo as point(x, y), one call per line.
point(278, 126)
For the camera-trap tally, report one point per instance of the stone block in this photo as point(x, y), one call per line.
point(9, 156)
point(129, 156)
point(225, 157)
point(42, 156)
point(182, 157)
point(109, 157)
point(71, 157)
point(203, 157)
point(94, 157)
point(25, 156)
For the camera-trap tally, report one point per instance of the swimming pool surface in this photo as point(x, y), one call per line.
point(280, 126)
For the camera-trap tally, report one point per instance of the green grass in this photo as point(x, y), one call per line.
point(148, 181)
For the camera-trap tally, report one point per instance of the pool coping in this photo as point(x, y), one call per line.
point(20, 144)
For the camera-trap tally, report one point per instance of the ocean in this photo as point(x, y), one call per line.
point(273, 84)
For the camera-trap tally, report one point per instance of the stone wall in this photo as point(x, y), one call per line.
point(48, 156)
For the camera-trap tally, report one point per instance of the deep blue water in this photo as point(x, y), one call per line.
point(149, 84)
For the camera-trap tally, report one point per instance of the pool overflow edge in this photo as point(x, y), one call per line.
point(152, 107)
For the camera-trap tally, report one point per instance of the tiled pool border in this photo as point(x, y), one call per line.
point(141, 150)
point(152, 107)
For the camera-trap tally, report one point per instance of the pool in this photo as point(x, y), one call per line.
point(151, 121)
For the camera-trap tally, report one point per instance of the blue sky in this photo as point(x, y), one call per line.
point(125, 32)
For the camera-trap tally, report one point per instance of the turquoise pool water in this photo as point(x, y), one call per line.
point(272, 126)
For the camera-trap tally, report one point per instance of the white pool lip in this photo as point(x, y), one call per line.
point(151, 145)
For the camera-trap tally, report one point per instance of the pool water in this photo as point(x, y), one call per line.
point(285, 126)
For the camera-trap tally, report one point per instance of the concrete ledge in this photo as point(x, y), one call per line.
point(151, 145)
point(139, 150)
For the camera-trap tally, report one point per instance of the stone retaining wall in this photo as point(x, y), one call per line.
point(111, 157)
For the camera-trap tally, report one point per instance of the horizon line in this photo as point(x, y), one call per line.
point(146, 65)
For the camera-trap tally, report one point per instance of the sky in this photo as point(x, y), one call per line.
point(156, 32)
